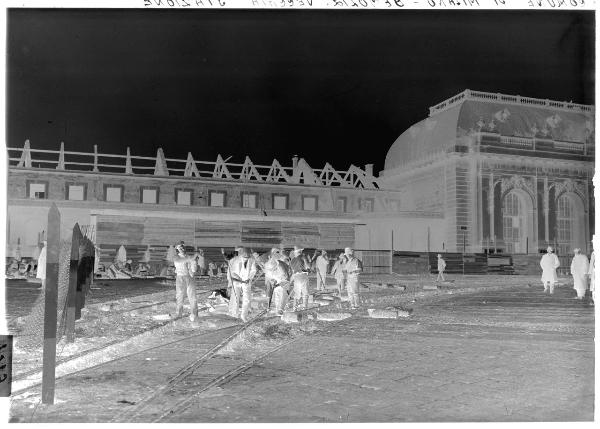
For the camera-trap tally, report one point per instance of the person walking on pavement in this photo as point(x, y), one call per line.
point(322, 264)
point(338, 271)
point(185, 267)
point(242, 271)
point(353, 269)
point(579, 270)
point(441, 267)
point(591, 273)
point(300, 269)
point(549, 264)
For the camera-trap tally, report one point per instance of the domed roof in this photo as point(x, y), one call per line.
point(453, 124)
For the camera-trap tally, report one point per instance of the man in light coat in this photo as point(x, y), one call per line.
point(339, 272)
point(300, 269)
point(322, 264)
point(242, 270)
point(549, 264)
point(353, 269)
point(441, 266)
point(591, 273)
point(579, 271)
point(279, 274)
point(41, 265)
point(185, 267)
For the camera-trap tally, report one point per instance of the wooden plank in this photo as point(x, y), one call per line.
point(300, 234)
point(50, 305)
point(217, 234)
point(72, 293)
point(261, 234)
point(167, 231)
point(336, 236)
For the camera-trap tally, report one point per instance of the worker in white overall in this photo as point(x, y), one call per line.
point(185, 267)
point(579, 271)
point(279, 274)
point(339, 273)
point(322, 264)
point(549, 264)
point(353, 269)
point(242, 270)
point(300, 269)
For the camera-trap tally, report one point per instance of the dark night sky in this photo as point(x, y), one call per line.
point(326, 85)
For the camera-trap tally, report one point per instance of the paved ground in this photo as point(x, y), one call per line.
point(513, 355)
point(506, 355)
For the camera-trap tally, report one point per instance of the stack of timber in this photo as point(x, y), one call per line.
point(168, 231)
point(261, 235)
point(108, 253)
point(119, 230)
point(410, 263)
point(300, 234)
point(217, 234)
point(336, 236)
point(158, 252)
point(475, 263)
point(501, 264)
point(527, 264)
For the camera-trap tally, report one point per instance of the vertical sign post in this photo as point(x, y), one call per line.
point(50, 305)
point(72, 294)
point(464, 230)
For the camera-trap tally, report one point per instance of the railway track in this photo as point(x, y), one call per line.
point(165, 395)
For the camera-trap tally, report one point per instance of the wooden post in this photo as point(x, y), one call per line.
point(72, 294)
point(50, 305)
point(392, 254)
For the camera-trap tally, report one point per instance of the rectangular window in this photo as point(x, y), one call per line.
point(309, 203)
point(340, 204)
point(76, 192)
point(113, 193)
point(249, 200)
point(280, 201)
point(216, 198)
point(148, 195)
point(366, 204)
point(37, 190)
point(183, 197)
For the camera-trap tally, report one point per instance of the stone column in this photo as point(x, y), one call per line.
point(546, 211)
point(491, 206)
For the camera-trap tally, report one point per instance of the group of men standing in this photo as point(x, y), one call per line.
point(286, 277)
point(581, 269)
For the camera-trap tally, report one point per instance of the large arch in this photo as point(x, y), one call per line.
point(570, 222)
point(518, 226)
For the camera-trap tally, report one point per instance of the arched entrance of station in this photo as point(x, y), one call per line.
point(570, 223)
point(517, 221)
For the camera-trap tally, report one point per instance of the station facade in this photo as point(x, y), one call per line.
point(484, 172)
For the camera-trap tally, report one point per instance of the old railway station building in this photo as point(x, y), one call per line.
point(482, 173)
